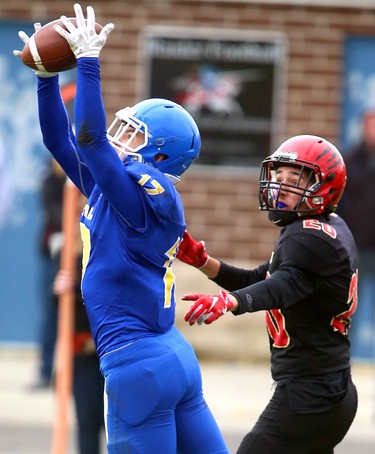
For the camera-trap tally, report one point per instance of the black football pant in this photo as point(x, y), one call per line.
point(88, 388)
point(285, 428)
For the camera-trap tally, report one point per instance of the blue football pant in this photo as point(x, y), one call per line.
point(154, 400)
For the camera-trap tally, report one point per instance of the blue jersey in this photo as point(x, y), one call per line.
point(131, 225)
point(128, 283)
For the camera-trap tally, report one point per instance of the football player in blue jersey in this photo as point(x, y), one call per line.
point(131, 228)
point(308, 290)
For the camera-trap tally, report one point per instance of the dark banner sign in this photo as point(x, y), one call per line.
point(229, 82)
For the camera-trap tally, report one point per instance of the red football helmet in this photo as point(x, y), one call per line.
point(324, 176)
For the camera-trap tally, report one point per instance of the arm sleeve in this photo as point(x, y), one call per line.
point(284, 287)
point(299, 274)
point(58, 135)
point(107, 169)
point(233, 278)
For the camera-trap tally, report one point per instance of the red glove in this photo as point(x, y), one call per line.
point(192, 252)
point(207, 308)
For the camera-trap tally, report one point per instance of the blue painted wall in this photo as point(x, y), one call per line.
point(25, 159)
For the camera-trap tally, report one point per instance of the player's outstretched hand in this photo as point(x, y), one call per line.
point(25, 38)
point(82, 38)
point(192, 252)
point(206, 308)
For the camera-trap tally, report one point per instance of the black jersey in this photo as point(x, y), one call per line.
point(309, 292)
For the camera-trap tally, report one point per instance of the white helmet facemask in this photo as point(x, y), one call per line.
point(119, 129)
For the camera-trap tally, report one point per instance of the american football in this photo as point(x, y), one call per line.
point(48, 51)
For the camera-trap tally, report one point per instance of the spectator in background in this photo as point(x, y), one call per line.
point(88, 382)
point(358, 210)
point(51, 240)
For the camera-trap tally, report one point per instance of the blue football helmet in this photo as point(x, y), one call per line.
point(168, 129)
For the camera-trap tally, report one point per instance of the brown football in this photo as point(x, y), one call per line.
point(48, 51)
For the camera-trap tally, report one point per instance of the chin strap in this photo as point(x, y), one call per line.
point(282, 218)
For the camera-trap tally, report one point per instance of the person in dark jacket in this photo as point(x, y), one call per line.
point(50, 246)
point(358, 210)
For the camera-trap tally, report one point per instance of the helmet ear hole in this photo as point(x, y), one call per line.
point(160, 157)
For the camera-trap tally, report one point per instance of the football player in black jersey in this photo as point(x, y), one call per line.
point(308, 290)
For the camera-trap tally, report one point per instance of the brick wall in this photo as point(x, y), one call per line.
point(221, 207)
point(221, 204)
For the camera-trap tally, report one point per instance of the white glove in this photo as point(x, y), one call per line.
point(25, 38)
point(82, 38)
